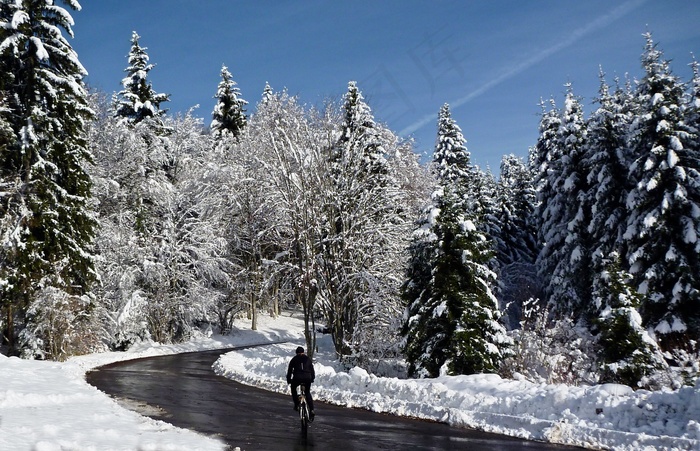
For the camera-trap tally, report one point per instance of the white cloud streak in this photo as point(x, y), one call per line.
point(574, 37)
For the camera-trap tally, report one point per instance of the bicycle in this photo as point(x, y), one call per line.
point(303, 410)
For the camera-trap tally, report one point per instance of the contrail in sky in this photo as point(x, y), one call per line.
point(574, 37)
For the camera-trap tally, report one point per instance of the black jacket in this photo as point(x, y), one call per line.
point(301, 369)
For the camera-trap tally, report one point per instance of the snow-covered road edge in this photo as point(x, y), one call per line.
point(548, 413)
point(171, 437)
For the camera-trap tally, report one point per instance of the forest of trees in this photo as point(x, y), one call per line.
point(120, 222)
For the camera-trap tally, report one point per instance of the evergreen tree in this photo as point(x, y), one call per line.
point(48, 225)
point(516, 244)
point(451, 322)
point(664, 224)
point(517, 240)
point(451, 159)
point(566, 253)
point(138, 101)
point(607, 156)
point(481, 203)
point(544, 161)
point(361, 142)
point(9, 213)
point(229, 113)
point(267, 94)
point(628, 352)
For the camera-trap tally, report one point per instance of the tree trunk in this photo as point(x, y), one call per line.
point(308, 300)
point(275, 304)
point(10, 330)
point(254, 311)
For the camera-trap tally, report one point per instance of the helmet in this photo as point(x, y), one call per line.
point(300, 350)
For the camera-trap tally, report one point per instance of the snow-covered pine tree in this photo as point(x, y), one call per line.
point(692, 107)
point(480, 202)
point(544, 161)
point(360, 143)
point(47, 253)
point(138, 101)
point(451, 322)
point(664, 224)
point(267, 94)
point(228, 116)
point(9, 212)
point(451, 159)
point(607, 156)
point(629, 353)
point(516, 241)
point(566, 252)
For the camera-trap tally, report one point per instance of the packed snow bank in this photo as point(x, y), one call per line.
point(608, 416)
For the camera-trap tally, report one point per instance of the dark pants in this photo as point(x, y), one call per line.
point(295, 394)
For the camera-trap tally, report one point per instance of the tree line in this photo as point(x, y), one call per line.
point(122, 223)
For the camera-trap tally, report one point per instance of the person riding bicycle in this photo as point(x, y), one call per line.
point(301, 371)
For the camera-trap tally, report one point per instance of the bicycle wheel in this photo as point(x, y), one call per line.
point(304, 415)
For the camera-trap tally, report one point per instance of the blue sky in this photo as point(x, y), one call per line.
point(491, 60)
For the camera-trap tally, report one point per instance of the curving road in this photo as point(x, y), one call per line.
point(183, 390)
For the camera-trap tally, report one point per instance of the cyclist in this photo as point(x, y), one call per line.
point(301, 371)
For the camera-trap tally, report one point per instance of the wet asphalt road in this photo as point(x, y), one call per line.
point(183, 390)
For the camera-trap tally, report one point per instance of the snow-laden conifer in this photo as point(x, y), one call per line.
point(629, 353)
point(451, 323)
point(48, 226)
point(515, 242)
point(138, 101)
point(607, 157)
point(229, 112)
point(544, 162)
point(360, 144)
point(664, 221)
point(267, 94)
point(565, 256)
point(516, 200)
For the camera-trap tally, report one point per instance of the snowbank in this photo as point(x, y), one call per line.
point(46, 406)
point(607, 416)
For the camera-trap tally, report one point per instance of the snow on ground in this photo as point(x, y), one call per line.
point(46, 406)
point(608, 416)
